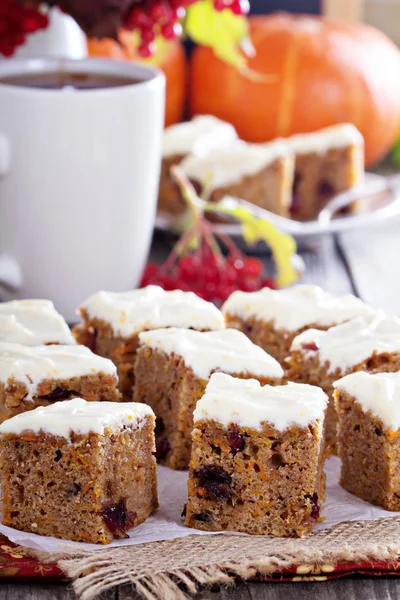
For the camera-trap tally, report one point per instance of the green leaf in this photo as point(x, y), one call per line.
point(255, 229)
point(223, 31)
point(396, 153)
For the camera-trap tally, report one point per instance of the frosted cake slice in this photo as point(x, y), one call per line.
point(257, 458)
point(273, 318)
point(321, 357)
point(32, 323)
point(77, 470)
point(41, 375)
point(368, 408)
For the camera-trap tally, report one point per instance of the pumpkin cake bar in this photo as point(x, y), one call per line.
point(273, 318)
point(328, 162)
point(198, 137)
point(77, 470)
point(321, 357)
point(32, 323)
point(112, 322)
point(257, 458)
point(171, 373)
point(259, 173)
point(41, 375)
point(368, 408)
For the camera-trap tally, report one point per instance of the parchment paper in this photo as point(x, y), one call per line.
point(167, 524)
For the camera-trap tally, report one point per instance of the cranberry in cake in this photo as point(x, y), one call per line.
point(77, 470)
point(368, 408)
point(41, 375)
point(32, 323)
point(273, 318)
point(198, 137)
point(259, 173)
point(172, 369)
point(328, 162)
point(112, 322)
point(257, 458)
point(362, 344)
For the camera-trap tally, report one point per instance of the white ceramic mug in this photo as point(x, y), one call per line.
point(79, 173)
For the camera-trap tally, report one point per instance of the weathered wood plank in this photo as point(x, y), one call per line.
point(26, 591)
point(373, 258)
point(325, 267)
point(348, 589)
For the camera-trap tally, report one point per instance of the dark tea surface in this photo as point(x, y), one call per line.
point(59, 80)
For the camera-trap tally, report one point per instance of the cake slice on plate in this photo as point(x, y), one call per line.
point(259, 173)
point(328, 162)
point(198, 137)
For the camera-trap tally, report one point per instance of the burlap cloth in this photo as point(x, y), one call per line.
point(175, 569)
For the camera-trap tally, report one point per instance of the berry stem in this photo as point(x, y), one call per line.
point(233, 249)
point(189, 194)
point(180, 247)
point(212, 242)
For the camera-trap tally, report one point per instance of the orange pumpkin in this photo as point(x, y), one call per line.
point(172, 62)
point(322, 72)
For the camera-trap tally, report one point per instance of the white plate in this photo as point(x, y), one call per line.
point(382, 203)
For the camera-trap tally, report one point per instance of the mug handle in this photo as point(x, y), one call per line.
point(5, 155)
point(10, 272)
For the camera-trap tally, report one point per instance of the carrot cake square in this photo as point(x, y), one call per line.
point(328, 162)
point(172, 369)
point(321, 357)
point(112, 322)
point(259, 173)
point(273, 318)
point(32, 323)
point(368, 408)
point(77, 470)
point(257, 458)
point(32, 376)
point(197, 137)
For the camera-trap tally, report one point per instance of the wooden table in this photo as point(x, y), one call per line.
point(366, 263)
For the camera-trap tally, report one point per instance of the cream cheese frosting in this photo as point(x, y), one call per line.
point(33, 322)
point(296, 307)
point(229, 164)
point(248, 404)
point(152, 307)
point(349, 344)
point(78, 416)
point(32, 364)
point(227, 350)
point(201, 135)
point(378, 393)
point(336, 136)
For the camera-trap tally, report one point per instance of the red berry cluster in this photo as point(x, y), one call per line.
point(16, 21)
point(163, 17)
point(238, 7)
point(149, 17)
point(210, 277)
